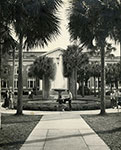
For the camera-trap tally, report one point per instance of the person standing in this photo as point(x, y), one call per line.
point(112, 98)
point(6, 103)
point(70, 99)
point(116, 98)
point(10, 100)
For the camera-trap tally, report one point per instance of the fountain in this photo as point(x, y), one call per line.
point(59, 81)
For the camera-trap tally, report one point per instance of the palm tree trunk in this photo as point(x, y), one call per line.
point(0, 81)
point(98, 87)
point(120, 62)
point(73, 81)
point(116, 83)
point(94, 86)
point(75, 77)
point(69, 83)
point(36, 86)
point(45, 87)
point(83, 94)
point(20, 79)
point(111, 86)
point(13, 74)
point(102, 112)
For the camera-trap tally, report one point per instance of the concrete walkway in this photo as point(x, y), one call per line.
point(63, 131)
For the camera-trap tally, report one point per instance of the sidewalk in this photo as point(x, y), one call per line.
point(63, 131)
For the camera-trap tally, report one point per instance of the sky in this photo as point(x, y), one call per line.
point(62, 40)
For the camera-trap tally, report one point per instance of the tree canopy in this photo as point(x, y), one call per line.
point(42, 66)
point(36, 21)
point(113, 74)
point(73, 57)
point(95, 20)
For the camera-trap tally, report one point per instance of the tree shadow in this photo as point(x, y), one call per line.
point(14, 119)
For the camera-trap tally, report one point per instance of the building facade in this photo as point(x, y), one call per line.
point(30, 83)
point(112, 60)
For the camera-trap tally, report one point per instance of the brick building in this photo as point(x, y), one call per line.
point(28, 59)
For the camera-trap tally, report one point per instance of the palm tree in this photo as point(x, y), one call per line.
point(43, 68)
point(94, 20)
point(113, 75)
point(74, 59)
point(83, 74)
point(35, 23)
point(6, 40)
point(95, 73)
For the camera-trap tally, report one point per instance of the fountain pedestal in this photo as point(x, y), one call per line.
point(59, 91)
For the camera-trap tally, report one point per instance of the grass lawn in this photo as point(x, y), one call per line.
point(15, 130)
point(108, 127)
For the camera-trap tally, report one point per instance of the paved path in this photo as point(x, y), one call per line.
point(63, 131)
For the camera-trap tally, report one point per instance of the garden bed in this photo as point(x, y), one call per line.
point(52, 105)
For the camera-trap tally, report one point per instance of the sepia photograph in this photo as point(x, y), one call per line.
point(60, 74)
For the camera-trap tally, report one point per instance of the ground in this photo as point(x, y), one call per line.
point(108, 127)
point(15, 130)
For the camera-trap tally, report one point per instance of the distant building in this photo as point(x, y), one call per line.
point(112, 60)
point(28, 59)
point(28, 83)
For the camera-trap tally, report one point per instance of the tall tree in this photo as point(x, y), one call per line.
point(74, 59)
point(95, 73)
point(113, 75)
point(91, 20)
point(35, 23)
point(43, 68)
point(6, 40)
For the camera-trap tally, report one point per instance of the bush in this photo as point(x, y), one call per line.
point(87, 91)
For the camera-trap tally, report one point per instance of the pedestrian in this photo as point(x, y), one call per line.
point(60, 101)
point(6, 102)
point(112, 99)
point(70, 99)
point(10, 100)
point(30, 94)
point(116, 98)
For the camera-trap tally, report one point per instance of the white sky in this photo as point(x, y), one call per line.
point(62, 41)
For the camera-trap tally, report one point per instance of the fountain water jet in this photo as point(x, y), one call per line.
point(59, 81)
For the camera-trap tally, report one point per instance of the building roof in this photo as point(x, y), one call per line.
point(52, 51)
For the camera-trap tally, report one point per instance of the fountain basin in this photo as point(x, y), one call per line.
point(59, 90)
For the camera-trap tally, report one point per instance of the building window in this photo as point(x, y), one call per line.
point(16, 83)
point(6, 70)
point(96, 83)
point(31, 83)
point(4, 84)
point(27, 69)
point(16, 70)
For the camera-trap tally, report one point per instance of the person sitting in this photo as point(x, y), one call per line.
point(69, 99)
point(60, 100)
